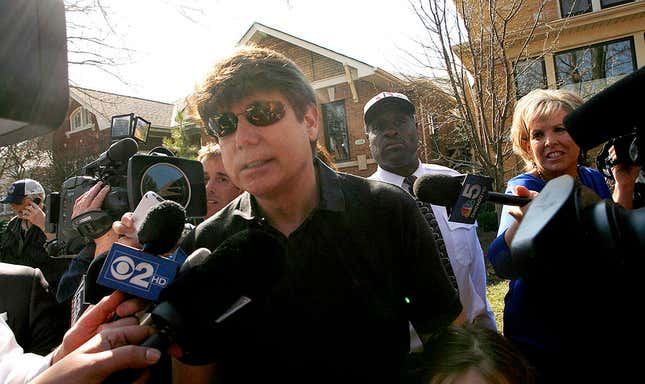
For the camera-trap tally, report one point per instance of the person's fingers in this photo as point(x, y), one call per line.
point(123, 322)
point(128, 219)
point(521, 190)
point(91, 194)
point(125, 226)
point(129, 356)
point(131, 306)
point(99, 198)
point(116, 337)
point(101, 312)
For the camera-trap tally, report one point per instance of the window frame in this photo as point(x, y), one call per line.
point(334, 153)
point(595, 6)
point(565, 14)
point(602, 6)
point(85, 119)
point(545, 81)
point(558, 81)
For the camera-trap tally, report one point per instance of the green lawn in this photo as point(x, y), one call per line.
point(495, 291)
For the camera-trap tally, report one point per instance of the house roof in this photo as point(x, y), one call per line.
point(362, 68)
point(104, 105)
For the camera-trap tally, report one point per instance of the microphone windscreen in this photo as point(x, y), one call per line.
point(437, 189)
point(613, 112)
point(247, 264)
point(122, 150)
point(93, 291)
point(162, 227)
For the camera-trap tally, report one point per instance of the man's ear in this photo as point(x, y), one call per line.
point(311, 122)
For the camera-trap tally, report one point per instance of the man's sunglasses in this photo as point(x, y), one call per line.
point(258, 113)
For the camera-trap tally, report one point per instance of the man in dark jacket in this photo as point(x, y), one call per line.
point(32, 313)
point(23, 242)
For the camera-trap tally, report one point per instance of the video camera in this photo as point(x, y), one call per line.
point(614, 116)
point(130, 176)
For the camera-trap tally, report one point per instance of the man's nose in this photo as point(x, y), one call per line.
point(210, 186)
point(246, 133)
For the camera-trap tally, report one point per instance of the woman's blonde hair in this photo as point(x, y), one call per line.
point(537, 105)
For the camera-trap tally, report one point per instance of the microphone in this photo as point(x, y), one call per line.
point(444, 190)
point(119, 152)
point(237, 278)
point(610, 113)
point(160, 232)
point(162, 227)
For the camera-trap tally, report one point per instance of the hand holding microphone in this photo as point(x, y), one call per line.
point(142, 274)
point(462, 195)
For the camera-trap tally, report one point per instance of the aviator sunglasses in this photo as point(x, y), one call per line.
point(258, 113)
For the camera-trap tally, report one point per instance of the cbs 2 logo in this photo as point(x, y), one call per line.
point(471, 191)
point(124, 268)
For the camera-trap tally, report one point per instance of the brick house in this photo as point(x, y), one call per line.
point(85, 132)
point(343, 85)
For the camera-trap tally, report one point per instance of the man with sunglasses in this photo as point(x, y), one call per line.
point(360, 260)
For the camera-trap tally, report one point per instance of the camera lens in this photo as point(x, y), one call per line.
point(168, 181)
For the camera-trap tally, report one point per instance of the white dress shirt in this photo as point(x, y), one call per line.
point(17, 367)
point(463, 247)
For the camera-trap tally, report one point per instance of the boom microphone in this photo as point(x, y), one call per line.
point(613, 112)
point(444, 190)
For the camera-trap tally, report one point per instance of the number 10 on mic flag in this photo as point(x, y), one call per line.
point(474, 190)
point(137, 273)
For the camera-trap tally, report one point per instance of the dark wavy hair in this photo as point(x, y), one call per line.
point(253, 69)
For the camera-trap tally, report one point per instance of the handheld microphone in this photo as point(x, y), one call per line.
point(120, 152)
point(461, 195)
point(162, 227)
point(160, 232)
point(237, 278)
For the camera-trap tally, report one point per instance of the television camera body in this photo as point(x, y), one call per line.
point(130, 175)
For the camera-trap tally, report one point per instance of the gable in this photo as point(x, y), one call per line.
point(105, 105)
point(314, 65)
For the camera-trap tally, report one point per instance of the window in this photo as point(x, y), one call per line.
point(336, 137)
point(80, 119)
point(529, 75)
point(577, 7)
point(588, 70)
point(574, 7)
point(610, 3)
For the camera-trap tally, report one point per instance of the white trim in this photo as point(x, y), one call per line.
point(329, 82)
point(85, 119)
point(354, 163)
point(84, 128)
point(362, 68)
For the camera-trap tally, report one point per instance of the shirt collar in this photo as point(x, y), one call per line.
point(393, 178)
point(331, 195)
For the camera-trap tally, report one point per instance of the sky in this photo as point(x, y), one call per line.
point(173, 43)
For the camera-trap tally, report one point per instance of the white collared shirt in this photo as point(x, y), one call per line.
point(17, 367)
point(463, 247)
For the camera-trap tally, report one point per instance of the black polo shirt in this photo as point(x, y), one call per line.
point(359, 267)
